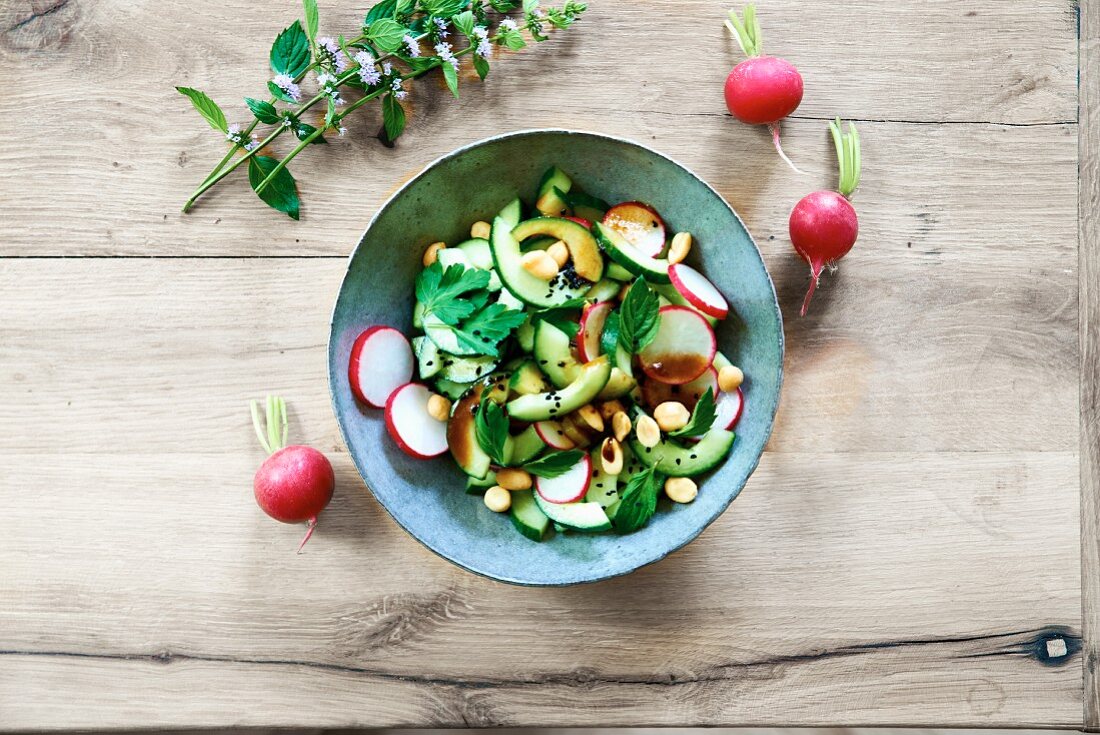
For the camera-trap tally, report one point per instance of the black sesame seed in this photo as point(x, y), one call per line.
point(677, 460)
point(543, 362)
point(694, 456)
point(429, 363)
point(553, 411)
point(561, 364)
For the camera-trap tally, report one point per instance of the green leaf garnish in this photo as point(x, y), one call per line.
point(281, 192)
point(563, 316)
point(278, 93)
point(207, 107)
point(491, 430)
point(639, 501)
point(312, 22)
point(393, 117)
point(464, 22)
point(702, 417)
point(848, 156)
point(486, 329)
point(386, 34)
point(554, 464)
point(290, 52)
point(450, 75)
point(443, 8)
point(264, 111)
point(384, 9)
point(481, 66)
point(440, 291)
point(639, 317)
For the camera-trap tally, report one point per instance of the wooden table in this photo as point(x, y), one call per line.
point(916, 548)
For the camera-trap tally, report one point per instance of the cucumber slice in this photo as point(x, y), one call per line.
point(456, 256)
point(451, 389)
point(466, 369)
point(462, 436)
point(622, 252)
point(509, 300)
point(428, 358)
point(512, 212)
point(586, 206)
point(528, 379)
point(444, 336)
point(677, 461)
point(526, 515)
point(618, 385)
point(720, 361)
point(537, 243)
point(476, 486)
point(418, 315)
point(526, 445)
point(618, 273)
point(582, 516)
point(527, 288)
point(605, 290)
point(525, 334)
point(549, 202)
point(585, 254)
point(477, 252)
point(603, 489)
point(591, 379)
point(553, 354)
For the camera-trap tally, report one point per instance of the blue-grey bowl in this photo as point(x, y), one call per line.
point(427, 498)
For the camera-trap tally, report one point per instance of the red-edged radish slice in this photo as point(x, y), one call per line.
point(728, 409)
point(639, 224)
point(580, 221)
point(683, 348)
point(656, 393)
point(411, 426)
point(552, 433)
point(381, 362)
point(592, 321)
point(700, 292)
point(567, 487)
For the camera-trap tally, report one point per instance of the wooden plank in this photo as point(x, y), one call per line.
point(1089, 278)
point(157, 578)
point(121, 166)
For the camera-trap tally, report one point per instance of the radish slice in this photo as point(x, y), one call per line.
point(728, 409)
point(580, 221)
point(700, 292)
point(592, 321)
point(656, 393)
point(683, 348)
point(639, 224)
point(381, 361)
point(411, 426)
point(568, 487)
point(551, 432)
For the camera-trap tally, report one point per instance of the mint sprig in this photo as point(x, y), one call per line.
point(639, 501)
point(639, 317)
point(554, 464)
point(491, 430)
point(702, 417)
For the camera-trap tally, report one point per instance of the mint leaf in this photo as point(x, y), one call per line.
point(639, 317)
point(510, 39)
point(312, 22)
point(440, 291)
point(443, 8)
point(302, 131)
point(563, 316)
point(639, 501)
point(290, 52)
point(486, 329)
point(282, 192)
point(481, 66)
point(278, 93)
point(491, 430)
point(386, 34)
point(554, 464)
point(393, 117)
point(702, 417)
point(207, 107)
point(503, 6)
point(450, 75)
point(264, 111)
point(384, 9)
point(464, 22)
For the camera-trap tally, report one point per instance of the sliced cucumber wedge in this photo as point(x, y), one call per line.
point(512, 212)
point(603, 488)
point(477, 252)
point(428, 358)
point(686, 461)
point(527, 517)
point(451, 389)
point(528, 379)
point(582, 516)
point(591, 378)
point(527, 288)
point(466, 369)
point(549, 202)
point(478, 486)
point(458, 256)
point(553, 354)
point(526, 445)
point(605, 290)
point(622, 252)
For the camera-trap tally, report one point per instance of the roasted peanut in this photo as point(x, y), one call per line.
point(539, 264)
point(730, 378)
point(559, 252)
point(439, 407)
point(481, 230)
point(649, 434)
point(432, 253)
point(497, 499)
point(591, 417)
point(620, 424)
point(611, 456)
point(671, 415)
point(513, 478)
point(681, 489)
point(681, 246)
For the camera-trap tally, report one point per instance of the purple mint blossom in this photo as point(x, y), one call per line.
point(252, 144)
point(413, 46)
point(290, 89)
point(367, 71)
point(398, 91)
point(508, 25)
point(331, 49)
point(387, 68)
point(441, 27)
point(444, 50)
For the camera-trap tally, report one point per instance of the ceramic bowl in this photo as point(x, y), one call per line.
point(427, 498)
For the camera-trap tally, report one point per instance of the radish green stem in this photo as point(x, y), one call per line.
point(747, 31)
point(848, 157)
point(273, 435)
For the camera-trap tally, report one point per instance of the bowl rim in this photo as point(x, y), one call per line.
point(529, 132)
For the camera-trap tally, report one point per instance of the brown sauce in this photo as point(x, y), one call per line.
point(676, 367)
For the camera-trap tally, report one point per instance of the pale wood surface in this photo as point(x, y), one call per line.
point(911, 539)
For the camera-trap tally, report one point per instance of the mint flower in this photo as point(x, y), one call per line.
point(412, 46)
point(233, 134)
point(398, 91)
point(484, 48)
point(441, 27)
point(367, 72)
point(508, 25)
point(328, 87)
point(331, 50)
point(290, 89)
point(252, 144)
point(444, 50)
point(387, 68)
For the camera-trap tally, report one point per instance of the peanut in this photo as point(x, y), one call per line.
point(681, 489)
point(649, 434)
point(432, 253)
point(481, 230)
point(439, 407)
point(681, 246)
point(539, 264)
point(671, 415)
point(611, 456)
point(620, 424)
point(591, 417)
point(559, 252)
point(497, 499)
point(610, 408)
point(513, 478)
point(730, 378)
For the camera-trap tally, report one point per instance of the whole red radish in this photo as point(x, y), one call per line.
point(823, 224)
point(294, 484)
point(761, 90)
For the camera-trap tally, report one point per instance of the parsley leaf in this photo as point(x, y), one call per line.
point(702, 417)
point(486, 329)
point(639, 317)
point(639, 501)
point(554, 464)
point(439, 291)
point(491, 429)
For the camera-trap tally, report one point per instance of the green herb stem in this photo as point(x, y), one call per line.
point(848, 156)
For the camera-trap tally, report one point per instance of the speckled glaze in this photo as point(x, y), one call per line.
point(427, 498)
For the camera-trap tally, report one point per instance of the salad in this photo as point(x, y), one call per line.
point(566, 361)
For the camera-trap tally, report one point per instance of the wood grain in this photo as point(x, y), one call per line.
point(120, 166)
point(1089, 279)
